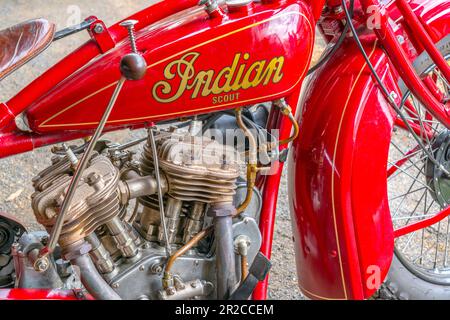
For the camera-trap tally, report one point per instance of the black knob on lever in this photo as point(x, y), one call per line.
point(133, 66)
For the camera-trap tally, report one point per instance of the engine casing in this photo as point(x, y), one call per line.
point(129, 248)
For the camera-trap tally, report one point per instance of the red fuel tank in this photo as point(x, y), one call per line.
point(196, 64)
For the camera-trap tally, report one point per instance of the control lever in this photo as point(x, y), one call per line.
point(132, 67)
point(73, 29)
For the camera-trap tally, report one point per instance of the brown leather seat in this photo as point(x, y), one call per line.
point(21, 43)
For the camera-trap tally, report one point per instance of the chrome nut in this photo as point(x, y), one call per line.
point(98, 28)
point(41, 264)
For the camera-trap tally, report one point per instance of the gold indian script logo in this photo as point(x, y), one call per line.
point(182, 76)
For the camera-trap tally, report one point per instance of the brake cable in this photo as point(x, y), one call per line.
point(385, 91)
point(335, 48)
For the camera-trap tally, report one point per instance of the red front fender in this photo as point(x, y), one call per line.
point(338, 191)
point(341, 220)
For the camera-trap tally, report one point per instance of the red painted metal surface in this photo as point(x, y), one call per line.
point(423, 223)
point(267, 224)
point(292, 40)
point(90, 50)
point(432, 14)
point(189, 72)
point(38, 294)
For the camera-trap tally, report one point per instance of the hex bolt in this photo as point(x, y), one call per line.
point(41, 264)
point(92, 178)
point(44, 240)
point(170, 291)
point(98, 28)
point(156, 268)
point(115, 285)
point(129, 25)
point(210, 5)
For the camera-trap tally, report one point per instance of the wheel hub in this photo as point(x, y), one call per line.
point(437, 179)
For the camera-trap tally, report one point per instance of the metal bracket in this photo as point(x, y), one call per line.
point(100, 33)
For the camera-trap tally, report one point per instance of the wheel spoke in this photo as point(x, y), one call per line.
point(417, 198)
point(437, 245)
point(408, 193)
point(414, 178)
point(404, 197)
point(446, 242)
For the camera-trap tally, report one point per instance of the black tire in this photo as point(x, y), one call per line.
point(402, 283)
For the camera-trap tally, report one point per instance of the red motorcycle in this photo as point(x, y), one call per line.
point(366, 141)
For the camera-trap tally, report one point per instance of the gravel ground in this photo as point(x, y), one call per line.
point(16, 173)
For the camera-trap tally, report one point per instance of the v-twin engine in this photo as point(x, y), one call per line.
point(117, 231)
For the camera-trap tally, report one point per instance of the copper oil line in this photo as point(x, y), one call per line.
point(286, 110)
point(244, 268)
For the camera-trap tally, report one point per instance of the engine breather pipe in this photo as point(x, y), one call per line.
point(133, 67)
point(244, 268)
